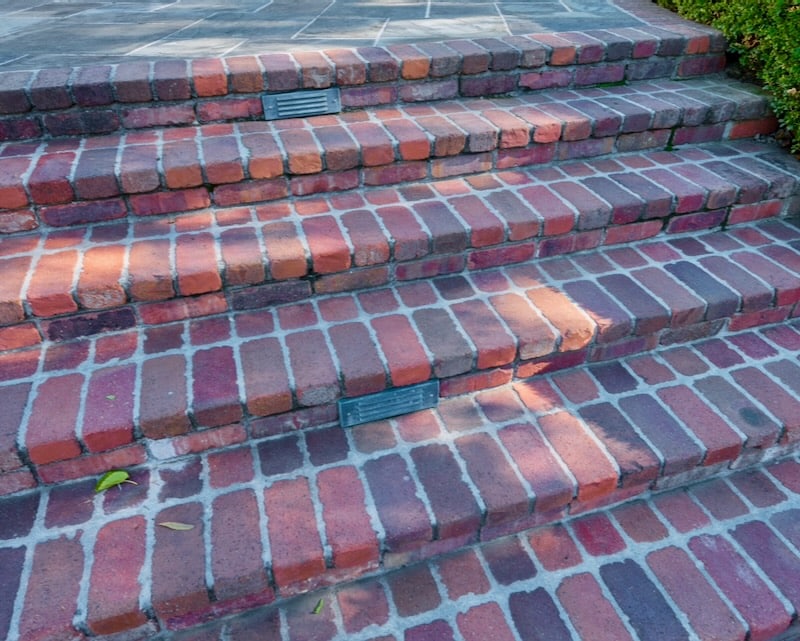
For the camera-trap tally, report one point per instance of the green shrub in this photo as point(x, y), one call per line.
point(766, 36)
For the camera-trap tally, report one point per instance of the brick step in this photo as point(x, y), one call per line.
point(193, 376)
point(63, 284)
point(76, 181)
point(279, 516)
point(55, 103)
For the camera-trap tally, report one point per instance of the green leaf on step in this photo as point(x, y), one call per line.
point(112, 479)
point(318, 608)
point(111, 397)
point(172, 525)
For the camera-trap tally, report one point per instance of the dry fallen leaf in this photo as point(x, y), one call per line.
point(172, 525)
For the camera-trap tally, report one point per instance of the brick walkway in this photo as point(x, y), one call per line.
point(717, 562)
point(584, 238)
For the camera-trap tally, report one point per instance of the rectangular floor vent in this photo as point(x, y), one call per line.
point(300, 104)
point(393, 402)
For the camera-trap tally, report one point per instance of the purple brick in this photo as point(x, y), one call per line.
point(508, 561)
point(402, 514)
point(456, 511)
point(762, 611)
point(646, 609)
point(679, 451)
point(536, 617)
point(721, 301)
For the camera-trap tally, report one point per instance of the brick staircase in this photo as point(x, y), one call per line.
point(576, 235)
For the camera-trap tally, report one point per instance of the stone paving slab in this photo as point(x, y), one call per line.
point(48, 34)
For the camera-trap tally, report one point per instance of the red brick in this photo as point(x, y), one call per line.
point(353, 600)
point(455, 509)
point(598, 535)
point(719, 499)
point(594, 618)
point(223, 162)
point(758, 489)
point(215, 389)
point(554, 547)
point(265, 160)
point(181, 165)
point(92, 464)
point(475, 622)
point(494, 345)
point(720, 441)
point(94, 176)
point(708, 615)
point(763, 613)
point(376, 146)
point(209, 77)
point(50, 432)
point(170, 202)
point(577, 330)
point(149, 271)
point(501, 491)
point(208, 439)
point(196, 264)
point(412, 141)
point(781, 404)
point(451, 353)
point(413, 590)
point(370, 246)
point(315, 379)
point(397, 172)
point(15, 271)
point(303, 152)
point(349, 68)
point(681, 511)
point(287, 258)
point(50, 288)
point(155, 116)
point(361, 368)
point(138, 171)
point(99, 283)
point(51, 600)
point(178, 563)
point(552, 488)
point(594, 472)
point(163, 398)
point(14, 399)
point(171, 80)
point(404, 518)
point(297, 553)
point(244, 74)
point(48, 183)
point(236, 554)
point(405, 357)
point(757, 428)
point(329, 251)
point(347, 525)
point(281, 72)
point(230, 467)
point(108, 416)
point(119, 554)
point(267, 389)
point(685, 307)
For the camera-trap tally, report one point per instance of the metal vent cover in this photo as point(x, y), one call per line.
point(299, 104)
point(393, 402)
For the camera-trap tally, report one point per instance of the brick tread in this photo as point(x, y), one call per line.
point(108, 98)
point(291, 250)
point(163, 171)
point(191, 374)
point(697, 554)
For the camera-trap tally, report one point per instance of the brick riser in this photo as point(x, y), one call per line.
point(190, 384)
point(74, 182)
point(280, 516)
point(68, 284)
point(85, 101)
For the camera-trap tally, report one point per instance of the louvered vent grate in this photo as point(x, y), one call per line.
point(299, 104)
point(394, 402)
